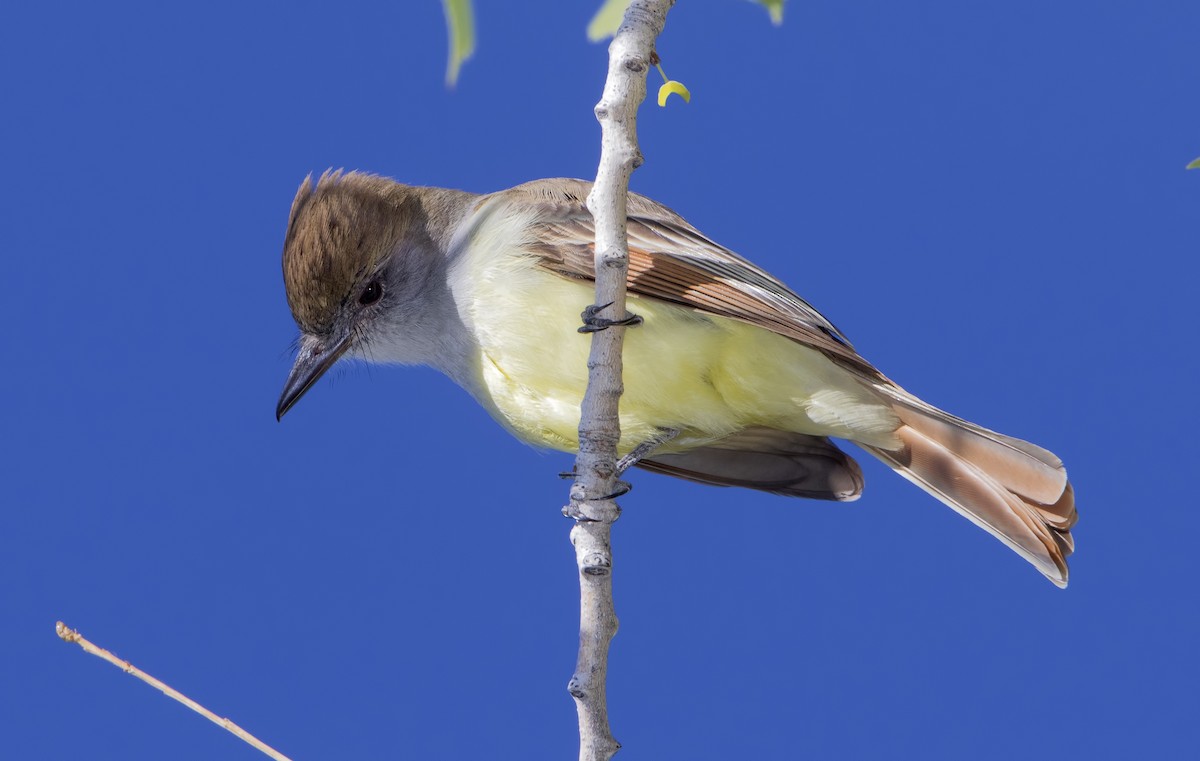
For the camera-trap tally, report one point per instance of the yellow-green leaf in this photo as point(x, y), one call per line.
point(1194, 165)
point(607, 20)
point(672, 86)
point(775, 8)
point(460, 23)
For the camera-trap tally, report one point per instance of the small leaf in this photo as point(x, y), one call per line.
point(672, 86)
point(1194, 165)
point(607, 20)
point(775, 8)
point(460, 23)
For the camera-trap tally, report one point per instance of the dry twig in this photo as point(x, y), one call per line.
point(68, 634)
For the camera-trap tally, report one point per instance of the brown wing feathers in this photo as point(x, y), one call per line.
point(1015, 490)
point(697, 283)
point(780, 462)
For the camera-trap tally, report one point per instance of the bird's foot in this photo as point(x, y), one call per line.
point(592, 323)
point(578, 510)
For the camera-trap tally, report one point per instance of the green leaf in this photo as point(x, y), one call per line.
point(460, 23)
point(607, 20)
point(775, 8)
point(1194, 165)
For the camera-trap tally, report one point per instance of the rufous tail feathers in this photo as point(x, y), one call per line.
point(1016, 491)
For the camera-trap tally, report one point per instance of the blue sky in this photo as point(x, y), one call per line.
point(988, 198)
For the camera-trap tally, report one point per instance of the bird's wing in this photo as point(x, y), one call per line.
point(1016, 491)
point(672, 261)
point(779, 462)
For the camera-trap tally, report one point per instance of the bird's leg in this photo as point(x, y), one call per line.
point(594, 324)
point(641, 451)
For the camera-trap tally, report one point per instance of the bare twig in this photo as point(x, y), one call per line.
point(70, 635)
point(592, 496)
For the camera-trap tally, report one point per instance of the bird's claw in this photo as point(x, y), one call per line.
point(623, 488)
point(577, 510)
point(592, 323)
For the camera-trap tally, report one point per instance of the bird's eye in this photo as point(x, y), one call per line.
point(372, 293)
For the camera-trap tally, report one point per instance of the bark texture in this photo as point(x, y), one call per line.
point(593, 494)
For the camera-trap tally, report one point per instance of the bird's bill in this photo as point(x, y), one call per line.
point(316, 356)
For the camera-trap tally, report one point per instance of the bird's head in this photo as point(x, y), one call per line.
point(356, 259)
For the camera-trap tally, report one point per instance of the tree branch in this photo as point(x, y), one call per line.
point(67, 634)
point(595, 488)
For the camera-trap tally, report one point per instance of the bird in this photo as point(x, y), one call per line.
point(731, 378)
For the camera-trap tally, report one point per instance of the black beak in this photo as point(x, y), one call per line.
point(316, 356)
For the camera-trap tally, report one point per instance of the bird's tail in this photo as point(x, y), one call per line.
point(1014, 490)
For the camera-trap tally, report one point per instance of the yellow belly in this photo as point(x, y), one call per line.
point(702, 375)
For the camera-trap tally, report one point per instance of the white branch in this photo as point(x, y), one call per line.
point(592, 496)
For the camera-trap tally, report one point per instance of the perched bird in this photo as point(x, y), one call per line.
point(738, 379)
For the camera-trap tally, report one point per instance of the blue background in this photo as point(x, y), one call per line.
point(988, 198)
